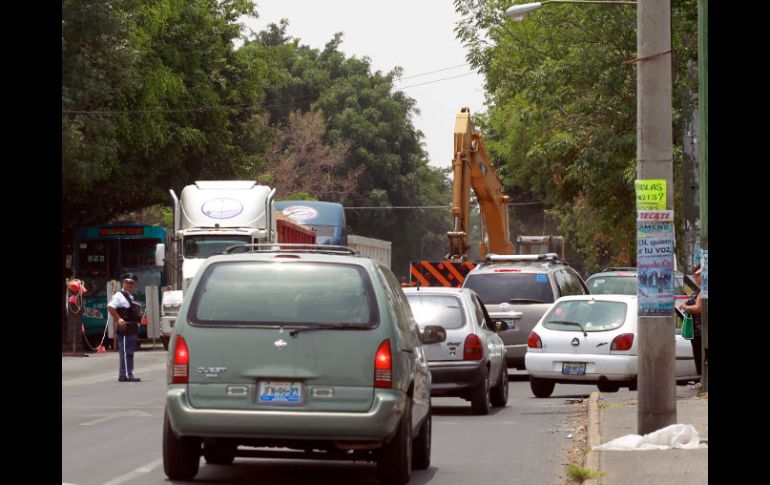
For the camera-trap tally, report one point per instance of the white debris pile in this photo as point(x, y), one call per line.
point(682, 436)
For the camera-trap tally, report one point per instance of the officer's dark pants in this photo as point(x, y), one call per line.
point(126, 347)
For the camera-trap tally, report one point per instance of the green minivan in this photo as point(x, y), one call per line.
point(308, 353)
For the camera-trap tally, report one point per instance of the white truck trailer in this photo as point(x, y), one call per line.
point(376, 249)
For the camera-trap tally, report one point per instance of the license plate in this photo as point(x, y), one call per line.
point(280, 392)
point(573, 368)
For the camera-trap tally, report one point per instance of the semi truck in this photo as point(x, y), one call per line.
point(209, 217)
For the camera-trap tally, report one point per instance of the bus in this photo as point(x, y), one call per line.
point(104, 253)
point(328, 219)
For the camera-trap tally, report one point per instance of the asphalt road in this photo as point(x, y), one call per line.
point(111, 434)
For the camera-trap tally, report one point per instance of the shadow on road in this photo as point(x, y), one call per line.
point(246, 470)
point(439, 410)
point(518, 376)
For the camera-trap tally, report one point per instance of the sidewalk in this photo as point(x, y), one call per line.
point(617, 416)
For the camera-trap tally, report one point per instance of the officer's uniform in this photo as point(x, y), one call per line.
point(130, 311)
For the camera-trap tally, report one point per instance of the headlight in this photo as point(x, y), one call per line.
point(171, 309)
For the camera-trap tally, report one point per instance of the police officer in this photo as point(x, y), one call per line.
point(128, 314)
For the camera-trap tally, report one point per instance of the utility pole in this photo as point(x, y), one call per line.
point(703, 109)
point(656, 361)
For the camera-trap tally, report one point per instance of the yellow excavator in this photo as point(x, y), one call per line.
point(472, 169)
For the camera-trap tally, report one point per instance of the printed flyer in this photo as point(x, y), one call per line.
point(655, 267)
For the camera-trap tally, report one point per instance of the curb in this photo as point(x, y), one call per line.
point(594, 437)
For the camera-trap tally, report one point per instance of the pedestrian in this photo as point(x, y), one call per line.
point(693, 306)
point(127, 314)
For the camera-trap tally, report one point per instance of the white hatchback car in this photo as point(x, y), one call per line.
point(592, 339)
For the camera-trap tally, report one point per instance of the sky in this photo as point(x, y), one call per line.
point(417, 35)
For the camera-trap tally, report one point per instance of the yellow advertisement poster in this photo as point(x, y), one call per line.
point(650, 195)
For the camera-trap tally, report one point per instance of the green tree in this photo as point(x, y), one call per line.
point(561, 120)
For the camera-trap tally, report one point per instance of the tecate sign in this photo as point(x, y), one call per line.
point(222, 208)
point(300, 212)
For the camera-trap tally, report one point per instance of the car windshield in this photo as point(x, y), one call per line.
point(499, 288)
point(625, 284)
point(592, 315)
point(265, 293)
point(612, 285)
point(441, 310)
point(205, 246)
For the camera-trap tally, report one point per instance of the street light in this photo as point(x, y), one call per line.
point(518, 12)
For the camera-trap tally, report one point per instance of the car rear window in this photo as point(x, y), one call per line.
point(592, 315)
point(612, 285)
point(266, 293)
point(443, 310)
point(497, 288)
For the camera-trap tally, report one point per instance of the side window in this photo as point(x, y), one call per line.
point(561, 283)
point(573, 283)
point(479, 311)
point(405, 320)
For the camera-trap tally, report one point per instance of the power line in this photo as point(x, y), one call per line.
point(372, 207)
point(433, 72)
point(435, 80)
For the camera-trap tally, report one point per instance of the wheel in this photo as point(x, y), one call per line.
point(500, 391)
point(394, 465)
point(421, 456)
point(541, 387)
point(181, 456)
point(480, 396)
point(220, 456)
point(608, 386)
point(165, 340)
point(633, 385)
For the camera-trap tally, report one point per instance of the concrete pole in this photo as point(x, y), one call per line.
point(657, 358)
point(703, 108)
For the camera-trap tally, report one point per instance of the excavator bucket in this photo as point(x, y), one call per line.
point(438, 273)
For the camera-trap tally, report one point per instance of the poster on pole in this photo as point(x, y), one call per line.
point(650, 194)
point(655, 264)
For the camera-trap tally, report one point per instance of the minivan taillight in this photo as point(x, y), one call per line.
point(533, 341)
point(473, 349)
point(383, 366)
point(180, 372)
point(624, 341)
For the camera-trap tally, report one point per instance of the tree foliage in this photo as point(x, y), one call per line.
point(561, 119)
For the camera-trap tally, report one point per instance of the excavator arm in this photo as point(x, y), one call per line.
point(472, 169)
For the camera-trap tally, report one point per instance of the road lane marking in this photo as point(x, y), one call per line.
point(108, 416)
point(142, 470)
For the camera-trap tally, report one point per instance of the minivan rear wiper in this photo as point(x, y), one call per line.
point(524, 300)
point(566, 322)
point(337, 326)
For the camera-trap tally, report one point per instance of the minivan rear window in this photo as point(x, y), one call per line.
point(443, 310)
point(285, 293)
point(497, 288)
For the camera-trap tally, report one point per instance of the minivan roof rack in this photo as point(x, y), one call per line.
point(619, 268)
point(293, 248)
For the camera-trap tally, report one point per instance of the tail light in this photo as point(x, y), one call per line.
point(180, 372)
point(383, 366)
point(533, 341)
point(623, 341)
point(473, 349)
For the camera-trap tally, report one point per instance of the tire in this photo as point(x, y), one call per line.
point(181, 456)
point(500, 391)
point(165, 340)
point(480, 396)
point(421, 447)
point(541, 387)
point(633, 385)
point(394, 465)
point(608, 386)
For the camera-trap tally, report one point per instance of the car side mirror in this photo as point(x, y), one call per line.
point(433, 334)
point(501, 326)
point(160, 254)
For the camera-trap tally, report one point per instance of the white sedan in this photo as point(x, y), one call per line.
point(592, 339)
